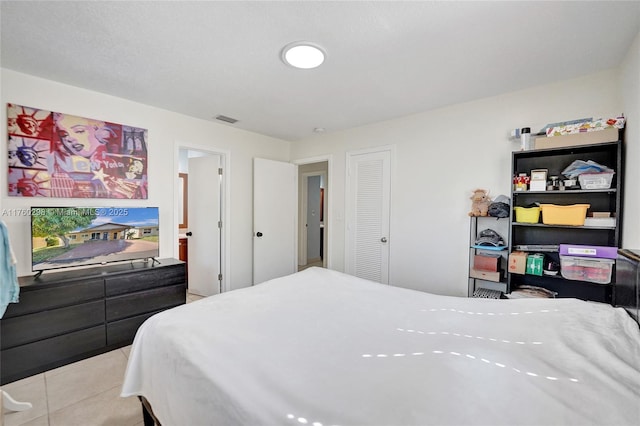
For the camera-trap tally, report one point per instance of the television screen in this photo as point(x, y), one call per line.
point(63, 237)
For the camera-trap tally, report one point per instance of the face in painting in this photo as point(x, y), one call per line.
point(78, 135)
point(27, 188)
point(27, 155)
point(27, 124)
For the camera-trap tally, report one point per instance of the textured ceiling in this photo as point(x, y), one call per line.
point(384, 59)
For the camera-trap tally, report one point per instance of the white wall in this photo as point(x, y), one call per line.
point(630, 88)
point(441, 156)
point(166, 129)
point(183, 158)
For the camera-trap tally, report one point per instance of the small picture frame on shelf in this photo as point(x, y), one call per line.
point(539, 174)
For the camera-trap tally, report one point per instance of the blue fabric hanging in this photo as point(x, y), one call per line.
point(9, 287)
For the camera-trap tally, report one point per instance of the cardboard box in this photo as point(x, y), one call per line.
point(600, 214)
point(610, 134)
point(534, 264)
point(517, 262)
point(487, 262)
point(485, 275)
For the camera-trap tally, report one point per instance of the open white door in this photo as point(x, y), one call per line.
point(368, 205)
point(274, 219)
point(204, 216)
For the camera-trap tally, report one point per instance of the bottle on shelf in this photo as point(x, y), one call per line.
point(526, 143)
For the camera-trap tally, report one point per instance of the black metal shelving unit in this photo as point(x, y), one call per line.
point(555, 160)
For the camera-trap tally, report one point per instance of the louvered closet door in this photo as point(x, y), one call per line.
point(368, 204)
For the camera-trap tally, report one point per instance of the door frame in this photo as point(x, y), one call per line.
point(225, 246)
point(303, 209)
point(328, 202)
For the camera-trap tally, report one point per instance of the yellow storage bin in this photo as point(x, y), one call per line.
point(573, 214)
point(527, 214)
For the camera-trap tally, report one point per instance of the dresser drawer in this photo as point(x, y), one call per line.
point(141, 302)
point(40, 299)
point(29, 328)
point(122, 332)
point(155, 277)
point(26, 360)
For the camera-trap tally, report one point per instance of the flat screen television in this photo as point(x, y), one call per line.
point(63, 237)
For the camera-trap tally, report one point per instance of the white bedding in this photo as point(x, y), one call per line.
point(323, 348)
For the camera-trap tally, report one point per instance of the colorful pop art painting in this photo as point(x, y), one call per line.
point(52, 154)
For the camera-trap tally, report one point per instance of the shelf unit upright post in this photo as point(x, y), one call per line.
point(521, 235)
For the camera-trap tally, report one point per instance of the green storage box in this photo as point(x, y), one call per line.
point(534, 264)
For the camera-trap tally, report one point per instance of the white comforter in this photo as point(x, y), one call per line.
point(323, 348)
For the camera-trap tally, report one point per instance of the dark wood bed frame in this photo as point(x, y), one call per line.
point(147, 413)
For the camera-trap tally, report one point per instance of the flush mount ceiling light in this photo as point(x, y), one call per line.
point(302, 54)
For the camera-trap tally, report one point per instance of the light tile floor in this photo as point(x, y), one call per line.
point(309, 265)
point(85, 393)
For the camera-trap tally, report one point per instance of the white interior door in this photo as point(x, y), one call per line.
point(368, 211)
point(274, 219)
point(204, 216)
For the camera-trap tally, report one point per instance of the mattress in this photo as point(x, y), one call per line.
point(320, 347)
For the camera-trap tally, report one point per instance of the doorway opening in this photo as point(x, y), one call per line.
point(313, 208)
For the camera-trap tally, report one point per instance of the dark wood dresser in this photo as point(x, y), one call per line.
point(63, 317)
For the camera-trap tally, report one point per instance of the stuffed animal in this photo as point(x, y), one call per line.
point(480, 202)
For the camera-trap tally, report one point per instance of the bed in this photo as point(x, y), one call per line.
point(322, 348)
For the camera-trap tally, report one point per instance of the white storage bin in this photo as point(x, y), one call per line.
point(600, 222)
point(594, 270)
point(595, 180)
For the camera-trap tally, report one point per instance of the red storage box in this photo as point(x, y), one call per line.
point(487, 262)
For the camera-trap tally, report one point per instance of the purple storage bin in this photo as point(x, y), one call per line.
point(589, 251)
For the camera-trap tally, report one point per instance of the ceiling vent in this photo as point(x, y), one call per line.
point(226, 119)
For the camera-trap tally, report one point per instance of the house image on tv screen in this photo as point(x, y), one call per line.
point(111, 231)
point(95, 238)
